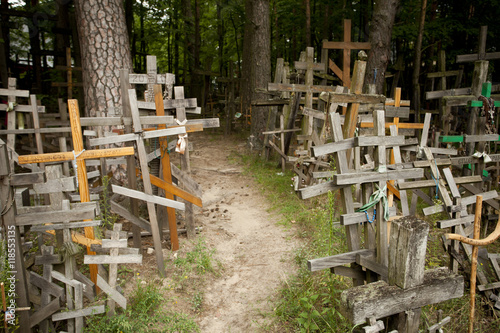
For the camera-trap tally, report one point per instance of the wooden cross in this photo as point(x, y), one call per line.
point(230, 102)
point(151, 78)
point(405, 292)
point(115, 244)
point(138, 136)
point(166, 170)
point(481, 55)
point(78, 156)
point(442, 73)
point(346, 46)
point(69, 75)
point(12, 108)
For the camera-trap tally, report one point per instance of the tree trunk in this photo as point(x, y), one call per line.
point(62, 40)
point(418, 62)
point(380, 39)
point(105, 50)
point(308, 22)
point(256, 64)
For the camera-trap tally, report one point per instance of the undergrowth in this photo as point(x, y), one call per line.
point(308, 302)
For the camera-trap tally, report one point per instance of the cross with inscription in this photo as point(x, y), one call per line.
point(151, 78)
point(78, 156)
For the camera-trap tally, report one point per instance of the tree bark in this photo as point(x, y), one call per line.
point(105, 50)
point(256, 64)
point(418, 62)
point(380, 39)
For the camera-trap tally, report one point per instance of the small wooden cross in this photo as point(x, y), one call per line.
point(152, 78)
point(79, 155)
point(346, 46)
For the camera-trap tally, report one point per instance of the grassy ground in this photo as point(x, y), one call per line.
point(308, 302)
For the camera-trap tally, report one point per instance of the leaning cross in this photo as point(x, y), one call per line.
point(78, 156)
point(69, 84)
point(346, 46)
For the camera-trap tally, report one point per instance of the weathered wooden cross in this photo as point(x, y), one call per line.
point(481, 55)
point(346, 46)
point(151, 78)
point(138, 136)
point(409, 285)
point(78, 156)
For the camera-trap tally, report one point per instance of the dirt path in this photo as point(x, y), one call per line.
point(255, 252)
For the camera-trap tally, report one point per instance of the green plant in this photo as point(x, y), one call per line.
point(107, 217)
point(146, 313)
point(197, 301)
point(200, 260)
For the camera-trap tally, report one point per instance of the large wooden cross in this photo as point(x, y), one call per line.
point(346, 46)
point(481, 55)
point(138, 137)
point(78, 156)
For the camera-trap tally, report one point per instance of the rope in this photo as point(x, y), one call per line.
point(75, 166)
point(377, 196)
point(485, 156)
point(9, 205)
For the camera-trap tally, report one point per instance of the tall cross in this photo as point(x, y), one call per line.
point(346, 46)
point(78, 156)
point(138, 137)
point(481, 55)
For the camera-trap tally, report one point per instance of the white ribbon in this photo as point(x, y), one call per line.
point(181, 122)
point(181, 144)
point(75, 166)
point(485, 156)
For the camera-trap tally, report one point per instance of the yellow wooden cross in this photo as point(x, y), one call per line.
point(78, 156)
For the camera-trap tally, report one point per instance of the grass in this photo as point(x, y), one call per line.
point(308, 302)
point(145, 313)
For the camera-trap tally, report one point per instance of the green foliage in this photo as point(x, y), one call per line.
point(200, 260)
point(144, 314)
point(107, 217)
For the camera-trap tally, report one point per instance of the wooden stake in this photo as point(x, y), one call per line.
point(473, 269)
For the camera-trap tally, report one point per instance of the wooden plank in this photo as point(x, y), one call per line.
point(372, 176)
point(481, 138)
point(175, 190)
point(126, 121)
point(45, 312)
point(65, 184)
point(332, 147)
point(49, 287)
point(371, 264)
point(147, 197)
point(186, 180)
point(313, 113)
point(350, 272)
point(370, 141)
point(48, 130)
point(76, 214)
point(318, 189)
point(299, 88)
point(68, 156)
point(474, 190)
point(401, 112)
point(93, 310)
point(111, 292)
point(123, 212)
point(444, 93)
point(169, 104)
point(454, 222)
point(336, 260)
point(356, 98)
point(108, 259)
point(24, 179)
point(451, 183)
point(465, 202)
point(361, 302)
point(23, 108)
point(282, 131)
point(166, 78)
point(108, 243)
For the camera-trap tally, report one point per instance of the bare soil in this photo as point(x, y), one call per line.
point(255, 252)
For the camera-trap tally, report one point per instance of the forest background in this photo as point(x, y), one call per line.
point(199, 41)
